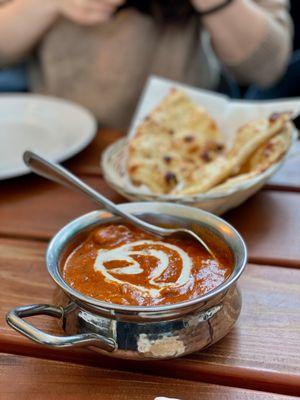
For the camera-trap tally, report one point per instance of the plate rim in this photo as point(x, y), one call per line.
point(68, 152)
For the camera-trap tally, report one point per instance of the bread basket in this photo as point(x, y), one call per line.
point(113, 164)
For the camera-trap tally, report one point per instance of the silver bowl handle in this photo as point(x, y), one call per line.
point(15, 319)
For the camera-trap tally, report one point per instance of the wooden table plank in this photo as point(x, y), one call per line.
point(33, 207)
point(38, 378)
point(262, 352)
point(288, 176)
point(270, 225)
point(87, 162)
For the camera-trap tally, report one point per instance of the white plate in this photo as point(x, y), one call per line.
point(54, 128)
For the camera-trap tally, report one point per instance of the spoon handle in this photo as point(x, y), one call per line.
point(60, 175)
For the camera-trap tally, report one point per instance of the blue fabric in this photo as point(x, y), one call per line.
point(228, 86)
point(14, 79)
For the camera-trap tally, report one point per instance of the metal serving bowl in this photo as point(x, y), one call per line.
point(138, 332)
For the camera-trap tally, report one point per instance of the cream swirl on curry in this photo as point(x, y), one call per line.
point(124, 265)
point(145, 248)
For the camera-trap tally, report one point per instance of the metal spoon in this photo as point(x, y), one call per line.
point(57, 173)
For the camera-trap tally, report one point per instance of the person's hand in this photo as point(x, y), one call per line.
point(88, 12)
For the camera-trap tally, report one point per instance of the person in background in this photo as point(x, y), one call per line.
point(99, 53)
point(295, 14)
point(289, 84)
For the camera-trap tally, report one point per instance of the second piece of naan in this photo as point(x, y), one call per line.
point(268, 154)
point(248, 139)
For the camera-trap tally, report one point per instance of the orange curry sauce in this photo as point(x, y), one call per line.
point(108, 267)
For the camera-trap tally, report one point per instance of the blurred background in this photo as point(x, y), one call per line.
point(87, 50)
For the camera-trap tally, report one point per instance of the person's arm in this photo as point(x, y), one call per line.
point(23, 22)
point(254, 41)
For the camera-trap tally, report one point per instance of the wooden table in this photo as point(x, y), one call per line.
point(259, 359)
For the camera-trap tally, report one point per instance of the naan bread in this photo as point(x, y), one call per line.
point(233, 182)
point(269, 153)
point(151, 159)
point(174, 140)
point(252, 135)
point(249, 138)
point(178, 113)
point(178, 149)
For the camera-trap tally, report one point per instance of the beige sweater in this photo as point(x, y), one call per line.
point(105, 68)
